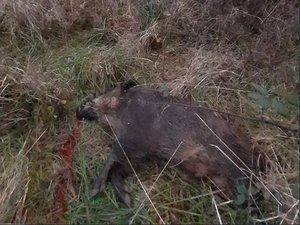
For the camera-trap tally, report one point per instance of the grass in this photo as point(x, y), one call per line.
point(202, 51)
point(14, 187)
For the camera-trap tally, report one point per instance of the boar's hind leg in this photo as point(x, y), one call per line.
point(100, 181)
point(119, 186)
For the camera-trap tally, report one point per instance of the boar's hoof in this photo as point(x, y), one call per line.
point(94, 192)
point(119, 187)
point(98, 187)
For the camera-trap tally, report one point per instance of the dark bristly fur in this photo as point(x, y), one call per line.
point(150, 127)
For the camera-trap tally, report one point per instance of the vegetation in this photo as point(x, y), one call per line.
point(232, 56)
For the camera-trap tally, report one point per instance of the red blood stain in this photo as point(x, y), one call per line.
point(66, 173)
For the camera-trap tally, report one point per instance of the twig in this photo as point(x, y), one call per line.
point(216, 207)
point(296, 215)
point(267, 219)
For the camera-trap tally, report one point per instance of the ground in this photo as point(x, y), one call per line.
point(236, 57)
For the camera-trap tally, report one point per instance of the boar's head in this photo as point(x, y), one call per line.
point(95, 108)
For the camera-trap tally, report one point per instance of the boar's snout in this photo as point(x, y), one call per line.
point(87, 113)
point(87, 110)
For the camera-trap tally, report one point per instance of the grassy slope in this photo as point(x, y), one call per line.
point(44, 78)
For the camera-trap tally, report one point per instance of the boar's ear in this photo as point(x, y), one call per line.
point(128, 84)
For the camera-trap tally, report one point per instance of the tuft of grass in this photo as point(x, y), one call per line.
point(150, 13)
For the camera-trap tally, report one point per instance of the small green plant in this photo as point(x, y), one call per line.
point(279, 102)
point(163, 88)
point(243, 193)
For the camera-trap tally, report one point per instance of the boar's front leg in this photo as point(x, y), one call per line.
point(115, 169)
point(100, 181)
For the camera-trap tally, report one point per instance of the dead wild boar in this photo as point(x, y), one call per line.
point(151, 127)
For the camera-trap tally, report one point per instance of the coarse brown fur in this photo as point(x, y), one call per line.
point(151, 127)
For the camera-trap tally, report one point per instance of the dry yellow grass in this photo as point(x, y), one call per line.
point(14, 185)
point(52, 16)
